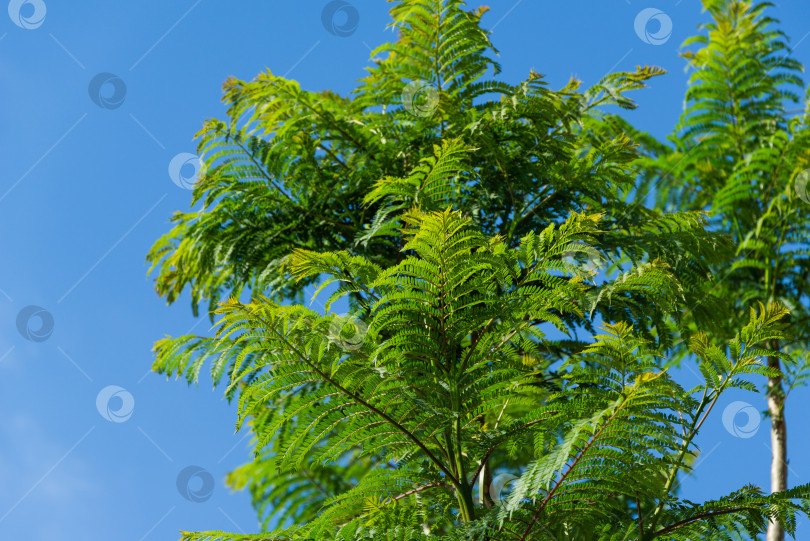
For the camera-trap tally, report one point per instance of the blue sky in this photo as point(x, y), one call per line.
point(85, 190)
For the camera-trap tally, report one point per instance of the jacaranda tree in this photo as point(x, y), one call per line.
point(742, 151)
point(453, 336)
point(436, 186)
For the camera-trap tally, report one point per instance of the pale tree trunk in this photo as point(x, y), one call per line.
point(484, 484)
point(776, 410)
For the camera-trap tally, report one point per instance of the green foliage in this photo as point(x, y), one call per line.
point(738, 153)
point(385, 424)
point(294, 169)
point(456, 332)
point(741, 154)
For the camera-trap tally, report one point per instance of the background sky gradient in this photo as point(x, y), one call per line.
point(85, 191)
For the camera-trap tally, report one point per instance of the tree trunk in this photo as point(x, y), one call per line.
point(776, 410)
point(484, 484)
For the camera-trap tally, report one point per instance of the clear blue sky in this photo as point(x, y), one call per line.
point(84, 191)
